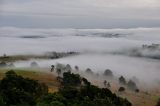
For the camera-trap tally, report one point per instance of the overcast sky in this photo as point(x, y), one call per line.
point(80, 13)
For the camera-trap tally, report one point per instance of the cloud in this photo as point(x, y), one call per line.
point(83, 9)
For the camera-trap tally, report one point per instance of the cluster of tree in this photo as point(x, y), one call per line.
point(77, 91)
point(54, 55)
point(130, 84)
point(18, 91)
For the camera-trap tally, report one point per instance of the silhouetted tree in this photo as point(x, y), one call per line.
point(131, 85)
point(108, 73)
point(76, 68)
point(105, 83)
point(89, 71)
point(122, 80)
point(52, 68)
point(18, 91)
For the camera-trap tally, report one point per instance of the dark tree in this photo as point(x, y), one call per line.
point(76, 68)
point(52, 68)
point(122, 80)
point(105, 83)
point(19, 91)
point(132, 85)
point(71, 79)
point(89, 71)
point(108, 73)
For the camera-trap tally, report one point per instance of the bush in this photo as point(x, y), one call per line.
point(121, 89)
point(137, 90)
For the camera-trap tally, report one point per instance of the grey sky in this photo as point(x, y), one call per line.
point(80, 13)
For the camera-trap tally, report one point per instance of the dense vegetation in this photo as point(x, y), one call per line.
point(18, 91)
point(74, 91)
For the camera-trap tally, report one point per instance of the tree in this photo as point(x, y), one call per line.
point(52, 68)
point(34, 64)
point(68, 68)
point(108, 73)
point(58, 72)
point(105, 83)
point(89, 71)
point(76, 68)
point(71, 79)
point(132, 85)
point(122, 80)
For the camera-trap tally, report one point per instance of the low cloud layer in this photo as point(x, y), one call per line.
point(97, 51)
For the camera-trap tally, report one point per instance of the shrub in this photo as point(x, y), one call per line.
point(121, 89)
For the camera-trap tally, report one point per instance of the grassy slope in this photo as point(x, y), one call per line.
point(138, 99)
point(45, 77)
point(142, 98)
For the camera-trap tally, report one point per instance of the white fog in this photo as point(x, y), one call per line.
point(99, 49)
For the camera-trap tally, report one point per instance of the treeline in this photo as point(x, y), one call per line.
point(107, 75)
point(74, 91)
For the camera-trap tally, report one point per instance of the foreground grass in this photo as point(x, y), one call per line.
point(37, 74)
